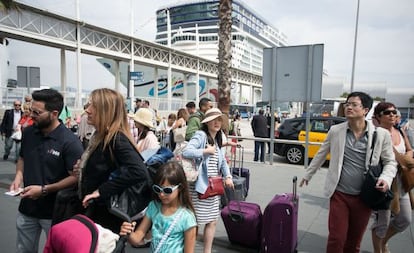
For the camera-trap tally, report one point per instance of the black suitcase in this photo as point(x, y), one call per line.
point(240, 183)
point(240, 171)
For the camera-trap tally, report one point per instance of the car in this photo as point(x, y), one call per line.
point(295, 129)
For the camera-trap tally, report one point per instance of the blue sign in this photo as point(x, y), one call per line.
point(137, 76)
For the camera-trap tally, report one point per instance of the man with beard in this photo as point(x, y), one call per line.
point(48, 152)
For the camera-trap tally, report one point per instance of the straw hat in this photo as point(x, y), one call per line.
point(144, 117)
point(211, 114)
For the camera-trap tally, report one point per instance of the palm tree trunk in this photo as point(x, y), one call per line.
point(224, 56)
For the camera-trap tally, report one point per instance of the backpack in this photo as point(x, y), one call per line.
point(154, 162)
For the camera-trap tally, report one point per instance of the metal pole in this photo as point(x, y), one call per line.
point(355, 46)
point(169, 71)
point(131, 89)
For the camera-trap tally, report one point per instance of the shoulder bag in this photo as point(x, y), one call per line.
point(179, 134)
point(406, 165)
point(133, 201)
point(372, 197)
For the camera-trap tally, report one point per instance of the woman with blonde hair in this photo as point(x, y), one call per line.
point(110, 148)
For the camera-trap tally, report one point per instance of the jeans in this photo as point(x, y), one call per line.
point(28, 232)
point(8, 145)
point(348, 219)
point(259, 145)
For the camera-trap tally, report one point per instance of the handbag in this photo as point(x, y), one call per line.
point(189, 167)
point(132, 202)
point(375, 199)
point(179, 134)
point(17, 135)
point(215, 187)
point(406, 164)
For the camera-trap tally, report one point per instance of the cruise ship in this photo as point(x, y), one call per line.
point(194, 29)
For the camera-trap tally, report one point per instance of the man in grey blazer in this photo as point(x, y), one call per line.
point(349, 144)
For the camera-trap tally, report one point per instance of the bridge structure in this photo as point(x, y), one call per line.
point(42, 27)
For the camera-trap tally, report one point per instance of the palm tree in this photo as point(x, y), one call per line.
point(224, 55)
point(7, 5)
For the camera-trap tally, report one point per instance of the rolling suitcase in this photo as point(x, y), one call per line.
point(280, 223)
point(241, 171)
point(243, 223)
point(239, 182)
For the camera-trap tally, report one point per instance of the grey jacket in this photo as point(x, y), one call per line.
point(335, 145)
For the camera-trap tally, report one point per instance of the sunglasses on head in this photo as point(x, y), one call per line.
point(166, 190)
point(388, 112)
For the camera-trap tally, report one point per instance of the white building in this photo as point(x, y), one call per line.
point(194, 29)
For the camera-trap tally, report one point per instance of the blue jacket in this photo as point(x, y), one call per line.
point(194, 150)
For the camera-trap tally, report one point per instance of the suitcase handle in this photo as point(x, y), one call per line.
point(295, 187)
point(241, 157)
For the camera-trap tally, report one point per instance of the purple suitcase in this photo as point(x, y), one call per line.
point(280, 223)
point(243, 222)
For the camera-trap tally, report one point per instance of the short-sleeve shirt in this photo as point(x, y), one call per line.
point(47, 159)
point(160, 224)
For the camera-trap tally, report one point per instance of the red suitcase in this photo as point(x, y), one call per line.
point(280, 223)
point(243, 222)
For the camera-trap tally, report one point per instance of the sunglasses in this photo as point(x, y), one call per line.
point(388, 112)
point(36, 113)
point(166, 190)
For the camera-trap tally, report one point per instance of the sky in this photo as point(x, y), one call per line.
point(384, 52)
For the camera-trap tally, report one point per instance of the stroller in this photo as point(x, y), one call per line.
point(81, 234)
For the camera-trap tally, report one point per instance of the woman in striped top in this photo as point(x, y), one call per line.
point(206, 145)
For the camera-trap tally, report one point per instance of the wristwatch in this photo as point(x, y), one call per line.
point(44, 190)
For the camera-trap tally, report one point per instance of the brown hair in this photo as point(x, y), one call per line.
point(174, 173)
point(111, 116)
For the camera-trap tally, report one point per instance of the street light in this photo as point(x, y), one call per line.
point(355, 45)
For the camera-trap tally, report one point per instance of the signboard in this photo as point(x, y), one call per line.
point(292, 73)
point(28, 77)
point(136, 76)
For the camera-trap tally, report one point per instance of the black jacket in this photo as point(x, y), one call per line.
point(259, 126)
point(7, 122)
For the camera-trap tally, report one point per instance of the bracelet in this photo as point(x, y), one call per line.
point(44, 190)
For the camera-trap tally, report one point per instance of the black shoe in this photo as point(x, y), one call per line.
point(5, 157)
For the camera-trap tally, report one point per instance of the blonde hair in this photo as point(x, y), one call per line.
point(26, 106)
point(111, 116)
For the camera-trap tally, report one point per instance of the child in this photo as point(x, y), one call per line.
point(170, 216)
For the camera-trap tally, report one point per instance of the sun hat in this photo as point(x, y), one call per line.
point(144, 117)
point(211, 114)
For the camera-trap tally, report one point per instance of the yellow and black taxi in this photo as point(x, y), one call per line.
point(295, 129)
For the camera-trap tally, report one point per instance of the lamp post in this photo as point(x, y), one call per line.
point(355, 45)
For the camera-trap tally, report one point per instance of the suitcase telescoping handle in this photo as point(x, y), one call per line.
point(241, 159)
point(295, 186)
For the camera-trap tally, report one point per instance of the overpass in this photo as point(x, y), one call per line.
point(42, 27)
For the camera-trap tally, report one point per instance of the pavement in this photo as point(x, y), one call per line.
point(266, 181)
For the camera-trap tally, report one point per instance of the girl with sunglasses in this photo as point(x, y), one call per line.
point(386, 225)
point(170, 215)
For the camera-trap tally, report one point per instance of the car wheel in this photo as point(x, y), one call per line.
point(295, 154)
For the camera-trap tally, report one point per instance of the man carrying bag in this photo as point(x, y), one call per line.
point(349, 144)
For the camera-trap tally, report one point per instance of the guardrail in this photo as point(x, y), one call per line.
point(273, 141)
